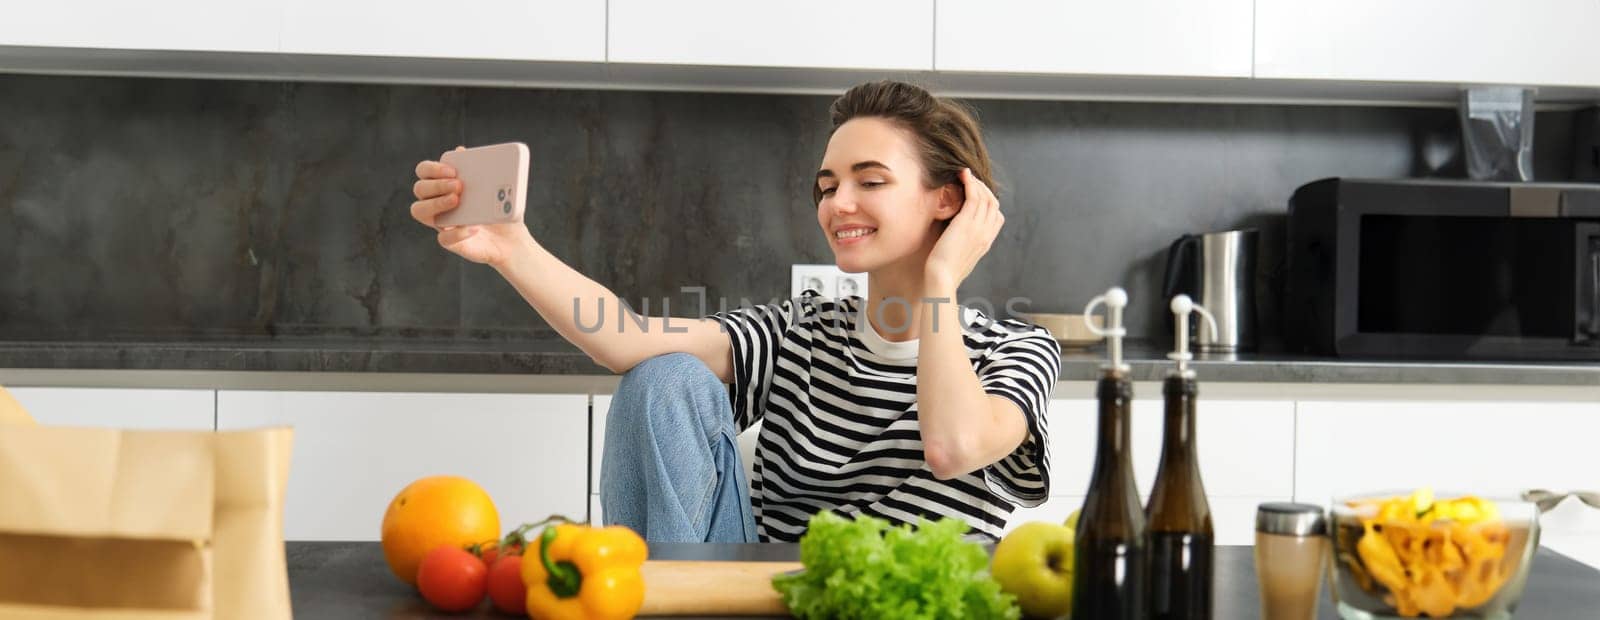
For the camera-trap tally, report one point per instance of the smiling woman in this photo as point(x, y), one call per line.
point(902, 405)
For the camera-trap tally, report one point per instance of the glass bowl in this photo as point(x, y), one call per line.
point(1456, 556)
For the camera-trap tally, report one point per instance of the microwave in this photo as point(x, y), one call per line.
point(1437, 269)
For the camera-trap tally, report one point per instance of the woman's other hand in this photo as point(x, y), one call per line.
point(966, 239)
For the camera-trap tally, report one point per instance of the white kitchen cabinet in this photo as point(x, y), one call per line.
point(544, 30)
point(128, 408)
point(836, 34)
point(1233, 519)
point(1246, 447)
point(1132, 37)
point(1071, 425)
point(1533, 42)
point(1496, 449)
point(1246, 457)
point(1573, 529)
point(354, 451)
point(180, 25)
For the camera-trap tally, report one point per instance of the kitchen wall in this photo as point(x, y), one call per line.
point(156, 208)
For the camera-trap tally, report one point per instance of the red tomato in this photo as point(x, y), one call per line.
point(506, 589)
point(452, 579)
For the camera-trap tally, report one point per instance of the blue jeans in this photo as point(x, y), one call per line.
point(671, 470)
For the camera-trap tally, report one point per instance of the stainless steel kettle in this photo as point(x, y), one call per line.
point(1218, 270)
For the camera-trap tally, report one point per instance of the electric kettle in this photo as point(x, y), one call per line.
point(1217, 270)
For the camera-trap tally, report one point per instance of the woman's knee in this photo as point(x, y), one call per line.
point(672, 390)
point(666, 371)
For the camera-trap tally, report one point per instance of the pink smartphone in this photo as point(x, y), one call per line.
point(494, 184)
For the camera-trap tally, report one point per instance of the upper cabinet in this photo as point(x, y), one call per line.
point(1129, 37)
point(1369, 52)
point(177, 25)
point(547, 30)
point(1531, 42)
point(832, 34)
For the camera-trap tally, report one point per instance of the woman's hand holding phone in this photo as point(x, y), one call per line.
point(438, 190)
point(550, 286)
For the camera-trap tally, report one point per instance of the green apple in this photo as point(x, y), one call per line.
point(1034, 563)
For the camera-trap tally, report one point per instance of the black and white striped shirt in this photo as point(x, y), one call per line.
point(839, 411)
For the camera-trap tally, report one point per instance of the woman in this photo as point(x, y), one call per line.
point(878, 406)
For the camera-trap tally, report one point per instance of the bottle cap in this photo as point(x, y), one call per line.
point(1290, 519)
point(1182, 306)
point(1115, 299)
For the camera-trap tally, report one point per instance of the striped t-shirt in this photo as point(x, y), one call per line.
point(839, 411)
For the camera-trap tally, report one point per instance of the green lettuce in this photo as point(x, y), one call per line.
point(865, 568)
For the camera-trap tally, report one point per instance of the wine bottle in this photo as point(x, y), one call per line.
point(1181, 541)
point(1108, 577)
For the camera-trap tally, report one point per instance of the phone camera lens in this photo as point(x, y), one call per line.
point(502, 194)
point(507, 207)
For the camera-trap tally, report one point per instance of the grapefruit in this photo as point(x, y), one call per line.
point(434, 511)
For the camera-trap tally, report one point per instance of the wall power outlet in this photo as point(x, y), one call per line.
point(826, 280)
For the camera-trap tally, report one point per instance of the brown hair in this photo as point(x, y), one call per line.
point(948, 138)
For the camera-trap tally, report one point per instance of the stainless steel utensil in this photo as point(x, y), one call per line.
point(1547, 500)
point(1218, 270)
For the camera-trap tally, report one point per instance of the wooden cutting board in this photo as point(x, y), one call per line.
point(683, 588)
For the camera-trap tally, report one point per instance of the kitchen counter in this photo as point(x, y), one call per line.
point(1150, 363)
point(351, 580)
point(553, 356)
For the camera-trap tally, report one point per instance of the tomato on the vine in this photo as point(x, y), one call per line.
point(452, 579)
point(506, 589)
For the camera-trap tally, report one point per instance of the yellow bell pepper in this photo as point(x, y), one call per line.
point(585, 573)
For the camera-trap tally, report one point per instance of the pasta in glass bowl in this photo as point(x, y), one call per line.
point(1416, 555)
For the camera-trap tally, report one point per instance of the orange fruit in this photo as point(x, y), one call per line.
point(431, 512)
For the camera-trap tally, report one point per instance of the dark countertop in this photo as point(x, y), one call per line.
point(553, 356)
point(350, 580)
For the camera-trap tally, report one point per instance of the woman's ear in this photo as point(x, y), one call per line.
point(950, 198)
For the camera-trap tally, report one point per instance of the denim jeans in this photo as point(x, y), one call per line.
point(670, 469)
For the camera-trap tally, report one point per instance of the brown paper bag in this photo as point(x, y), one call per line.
point(11, 411)
point(105, 523)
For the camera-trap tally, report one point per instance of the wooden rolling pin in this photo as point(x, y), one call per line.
point(684, 588)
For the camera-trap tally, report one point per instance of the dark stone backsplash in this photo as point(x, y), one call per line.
point(192, 209)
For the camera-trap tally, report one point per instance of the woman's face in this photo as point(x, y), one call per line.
point(875, 210)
